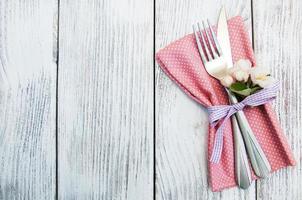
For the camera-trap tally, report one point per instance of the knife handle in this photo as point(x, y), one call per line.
point(258, 159)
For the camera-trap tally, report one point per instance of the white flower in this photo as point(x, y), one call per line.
point(260, 76)
point(227, 81)
point(241, 75)
point(240, 71)
point(243, 64)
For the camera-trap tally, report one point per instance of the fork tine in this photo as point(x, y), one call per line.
point(215, 39)
point(203, 58)
point(209, 41)
point(209, 56)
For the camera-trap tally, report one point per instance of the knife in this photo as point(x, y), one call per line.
point(223, 37)
point(257, 157)
point(242, 169)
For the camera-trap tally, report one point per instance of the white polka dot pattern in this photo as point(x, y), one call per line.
point(181, 62)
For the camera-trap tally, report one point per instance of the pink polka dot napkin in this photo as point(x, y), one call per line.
point(181, 62)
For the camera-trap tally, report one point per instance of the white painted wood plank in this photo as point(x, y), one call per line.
point(27, 99)
point(106, 99)
point(278, 46)
point(181, 124)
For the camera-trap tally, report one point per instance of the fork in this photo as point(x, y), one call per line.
point(215, 65)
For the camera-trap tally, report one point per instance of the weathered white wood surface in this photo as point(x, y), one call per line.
point(278, 45)
point(27, 99)
point(181, 124)
point(105, 100)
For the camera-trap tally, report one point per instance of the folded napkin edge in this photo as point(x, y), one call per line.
point(181, 38)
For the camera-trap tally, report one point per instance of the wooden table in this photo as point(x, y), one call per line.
point(77, 92)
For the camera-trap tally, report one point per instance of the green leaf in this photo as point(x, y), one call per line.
point(238, 86)
point(255, 89)
point(243, 93)
point(240, 89)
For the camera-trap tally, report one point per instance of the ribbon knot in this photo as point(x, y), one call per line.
point(238, 106)
point(224, 112)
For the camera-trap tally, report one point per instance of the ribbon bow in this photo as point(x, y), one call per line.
point(216, 113)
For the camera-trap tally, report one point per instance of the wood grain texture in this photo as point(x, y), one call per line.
point(106, 99)
point(181, 124)
point(278, 46)
point(27, 99)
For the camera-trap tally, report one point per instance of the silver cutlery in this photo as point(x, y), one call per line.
point(216, 65)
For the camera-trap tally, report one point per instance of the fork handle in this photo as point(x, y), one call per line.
point(258, 159)
point(242, 169)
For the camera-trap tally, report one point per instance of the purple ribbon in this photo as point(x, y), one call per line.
point(216, 113)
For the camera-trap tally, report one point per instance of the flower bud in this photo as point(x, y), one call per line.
point(243, 64)
point(227, 81)
point(241, 75)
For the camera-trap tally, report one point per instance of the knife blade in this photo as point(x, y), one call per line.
point(223, 37)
